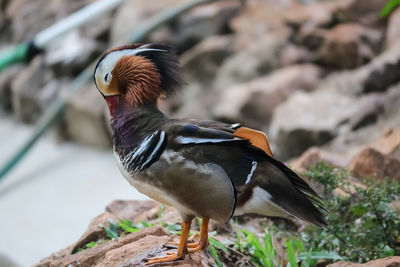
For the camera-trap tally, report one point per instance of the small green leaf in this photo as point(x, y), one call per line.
point(146, 224)
point(217, 244)
point(239, 241)
point(161, 211)
point(215, 256)
point(389, 7)
point(127, 226)
point(91, 244)
point(112, 230)
point(291, 253)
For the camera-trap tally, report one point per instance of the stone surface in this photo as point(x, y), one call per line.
point(348, 46)
point(130, 209)
point(370, 163)
point(27, 89)
point(28, 18)
point(256, 18)
point(201, 63)
point(85, 119)
point(386, 262)
point(313, 155)
point(71, 53)
point(389, 143)
point(202, 22)
point(393, 29)
point(128, 250)
point(364, 12)
point(6, 78)
point(253, 103)
point(311, 119)
point(259, 59)
point(315, 14)
point(131, 13)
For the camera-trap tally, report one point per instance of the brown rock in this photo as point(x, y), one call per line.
point(29, 93)
point(260, 58)
point(130, 209)
point(369, 163)
point(389, 143)
point(132, 254)
point(253, 103)
point(85, 120)
point(314, 155)
point(6, 78)
point(316, 14)
point(386, 262)
point(257, 18)
point(348, 46)
point(128, 250)
point(393, 29)
point(292, 54)
point(364, 12)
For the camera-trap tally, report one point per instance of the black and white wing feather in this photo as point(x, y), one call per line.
point(146, 152)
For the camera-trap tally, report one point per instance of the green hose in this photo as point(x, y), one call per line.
point(12, 55)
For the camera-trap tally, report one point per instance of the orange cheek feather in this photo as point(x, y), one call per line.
point(256, 138)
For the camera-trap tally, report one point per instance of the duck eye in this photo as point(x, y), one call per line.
point(107, 77)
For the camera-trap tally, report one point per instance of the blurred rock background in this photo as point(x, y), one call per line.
point(321, 78)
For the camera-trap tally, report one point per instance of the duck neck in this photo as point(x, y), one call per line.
point(131, 124)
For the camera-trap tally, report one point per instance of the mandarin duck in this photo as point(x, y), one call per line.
point(203, 168)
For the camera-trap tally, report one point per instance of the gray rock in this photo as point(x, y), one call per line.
point(71, 53)
point(132, 13)
point(6, 78)
point(202, 22)
point(376, 76)
point(30, 17)
point(85, 120)
point(364, 12)
point(313, 119)
point(348, 46)
point(27, 88)
point(259, 59)
point(253, 103)
point(316, 14)
point(353, 142)
point(201, 63)
point(393, 29)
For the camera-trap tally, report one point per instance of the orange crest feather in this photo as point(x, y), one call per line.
point(138, 79)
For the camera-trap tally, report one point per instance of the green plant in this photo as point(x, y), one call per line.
point(361, 225)
point(262, 251)
point(389, 7)
point(114, 230)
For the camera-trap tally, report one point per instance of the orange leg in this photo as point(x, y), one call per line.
point(182, 248)
point(203, 242)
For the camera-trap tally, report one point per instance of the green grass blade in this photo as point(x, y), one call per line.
point(388, 8)
point(215, 256)
point(291, 253)
point(217, 244)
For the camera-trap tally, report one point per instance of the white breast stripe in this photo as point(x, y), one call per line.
point(128, 160)
point(196, 140)
point(160, 142)
point(253, 168)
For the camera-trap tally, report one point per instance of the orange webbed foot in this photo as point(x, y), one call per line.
point(171, 257)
